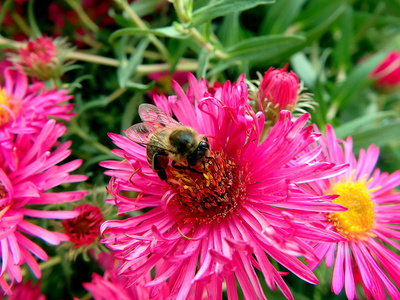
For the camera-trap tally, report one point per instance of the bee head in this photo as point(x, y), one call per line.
point(202, 151)
point(183, 141)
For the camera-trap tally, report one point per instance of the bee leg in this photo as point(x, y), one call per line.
point(210, 157)
point(185, 168)
point(160, 161)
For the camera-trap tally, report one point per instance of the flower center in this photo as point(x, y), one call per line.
point(7, 108)
point(5, 203)
point(212, 194)
point(359, 220)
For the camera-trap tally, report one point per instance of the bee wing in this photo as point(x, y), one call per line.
point(139, 133)
point(156, 117)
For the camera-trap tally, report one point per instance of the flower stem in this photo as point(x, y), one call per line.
point(82, 134)
point(77, 7)
point(180, 11)
point(138, 21)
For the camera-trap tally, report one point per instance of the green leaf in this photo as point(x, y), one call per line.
point(263, 47)
point(343, 95)
point(203, 64)
point(304, 69)
point(169, 31)
point(144, 7)
point(222, 8)
point(32, 22)
point(276, 22)
point(360, 124)
point(378, 135)
point(127, 67)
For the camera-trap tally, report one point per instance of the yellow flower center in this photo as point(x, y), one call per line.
point(359, 220)
point(5, 107)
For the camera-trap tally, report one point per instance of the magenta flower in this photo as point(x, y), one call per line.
point(112, 287)
point(387, 73)
point(24, 108)
point(371, 221)
point(219, 226)
point(280, 88)
point(42, 58)
point(26, 291)
point(23, 185)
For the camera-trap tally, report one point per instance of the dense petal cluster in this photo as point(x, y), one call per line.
point(25, 179)
point(370, 224)
point(25, 108)
point(85, 228)
point(246, 207)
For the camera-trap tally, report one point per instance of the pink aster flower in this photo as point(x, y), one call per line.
point(23, 186)
point(219, 225)
point(387, 74)
point(43, 57)
point(112, 287)
point(24, 107)
point(26, 291)
point(369, 225)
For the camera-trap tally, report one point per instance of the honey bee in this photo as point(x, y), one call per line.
point(167, 139)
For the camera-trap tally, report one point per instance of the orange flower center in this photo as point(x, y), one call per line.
point(213, 193)
point(359, 220)
point(7, 108)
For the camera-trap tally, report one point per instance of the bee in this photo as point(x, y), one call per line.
point(167, 139)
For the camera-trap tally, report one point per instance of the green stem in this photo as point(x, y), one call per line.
point(4, 9)
point(21, 23)
point(77, 7)
point(206, 45)
point(82, 134)
point(180, 11)
point(138, 21)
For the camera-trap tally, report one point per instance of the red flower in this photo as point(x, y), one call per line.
point(85, 228)
point(387, 74)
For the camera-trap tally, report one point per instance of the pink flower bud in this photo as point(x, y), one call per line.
point(387, 74)
point(279, 87)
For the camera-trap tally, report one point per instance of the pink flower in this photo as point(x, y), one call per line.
point(23, 185)
point(387, 74)
point(24, 108)
point(26, 291)
point(280, 88)
point(112, 287)
point(164, 80)
point(369, 225)
point(85, 228)
point(42, 58)
point(219, 225)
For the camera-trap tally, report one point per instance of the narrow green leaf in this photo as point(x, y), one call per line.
point(32, 21)
point(203, 64)
point(169, 31)
point(128, 67)
point(263, 47)
point(378, 135)
point(144, 7)
point(222, 8)
point(304, 69)
point(355, 81)
point(276, 22)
